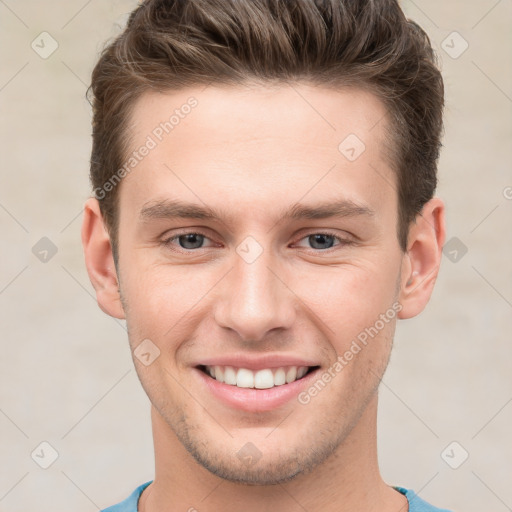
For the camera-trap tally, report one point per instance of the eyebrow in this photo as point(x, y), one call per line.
point(174, 209)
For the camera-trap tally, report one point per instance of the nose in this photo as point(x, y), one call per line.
point(254, 299)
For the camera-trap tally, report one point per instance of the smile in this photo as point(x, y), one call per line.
point(265, 378)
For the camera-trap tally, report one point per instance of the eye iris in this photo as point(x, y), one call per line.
point(195, 238)
point(321, 239)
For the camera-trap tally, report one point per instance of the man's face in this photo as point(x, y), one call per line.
point(258, 287)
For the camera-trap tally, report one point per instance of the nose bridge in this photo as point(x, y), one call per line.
point(254, 300)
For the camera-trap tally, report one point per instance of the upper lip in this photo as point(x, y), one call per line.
point(259, 362)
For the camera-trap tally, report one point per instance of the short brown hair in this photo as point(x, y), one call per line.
point(173, 44)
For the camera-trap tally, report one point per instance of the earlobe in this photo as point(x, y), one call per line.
point(99, 260)
point(421, 262)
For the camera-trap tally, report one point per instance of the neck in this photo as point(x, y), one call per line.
point(348, 480)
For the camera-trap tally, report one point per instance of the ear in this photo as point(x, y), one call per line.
point(420, 265)
point(99, 260)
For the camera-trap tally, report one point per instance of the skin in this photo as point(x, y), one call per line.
point(251, 152)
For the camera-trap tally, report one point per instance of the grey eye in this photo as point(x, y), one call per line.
point(195, 239)
point(317, 241)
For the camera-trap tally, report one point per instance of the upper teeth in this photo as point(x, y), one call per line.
point(261, 379)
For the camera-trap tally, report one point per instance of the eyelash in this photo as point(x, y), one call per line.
point(342, 241)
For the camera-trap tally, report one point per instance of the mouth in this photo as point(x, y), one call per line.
point(264, 378)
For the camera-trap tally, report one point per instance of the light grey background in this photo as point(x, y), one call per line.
point(66, 375)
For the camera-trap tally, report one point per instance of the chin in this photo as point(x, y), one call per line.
point(250, 466)
point(259, 473)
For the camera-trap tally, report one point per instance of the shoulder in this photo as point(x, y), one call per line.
point(416, 504)
point(130, 503)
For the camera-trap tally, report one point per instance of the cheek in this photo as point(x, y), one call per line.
point(163, 297)
point(348, 298)
point(160, 297)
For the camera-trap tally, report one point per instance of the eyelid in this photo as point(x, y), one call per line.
point(166, 240)
point(186, 231)
point(342, 241)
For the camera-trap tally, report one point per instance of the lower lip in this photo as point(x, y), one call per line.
point(255, 400)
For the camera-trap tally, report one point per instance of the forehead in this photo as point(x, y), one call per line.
point(217, 143)
point(314, 113)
